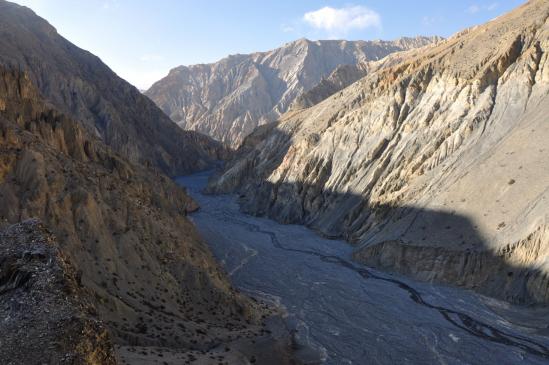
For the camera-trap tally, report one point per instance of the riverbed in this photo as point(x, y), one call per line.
point(352, 314)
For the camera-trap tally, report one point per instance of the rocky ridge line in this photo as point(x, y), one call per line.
point(228, 99)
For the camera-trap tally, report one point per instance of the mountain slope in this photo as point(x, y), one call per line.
point(436, 165)
point(229, 98)
point(78, 84)
point(340, 78)
point(152, 279)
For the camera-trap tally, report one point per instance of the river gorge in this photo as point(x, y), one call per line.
point(350, 313)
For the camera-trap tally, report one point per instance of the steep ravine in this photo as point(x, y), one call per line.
point(435, 165)
point(151, 279)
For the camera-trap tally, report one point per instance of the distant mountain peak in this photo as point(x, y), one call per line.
point(229, 98)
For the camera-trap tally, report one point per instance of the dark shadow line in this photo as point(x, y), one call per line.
point(463, 321)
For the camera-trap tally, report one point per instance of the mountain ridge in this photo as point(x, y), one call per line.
point(427, 137)
point(228, 98)
point(82, 86)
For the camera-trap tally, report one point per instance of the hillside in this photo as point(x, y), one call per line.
point(78, 84)
point(150, 277)
point(435, 165)
point(36, 279)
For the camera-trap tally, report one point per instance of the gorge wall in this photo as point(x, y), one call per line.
point(123, 226)
point(435, 165)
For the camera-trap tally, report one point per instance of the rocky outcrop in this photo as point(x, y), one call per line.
point(515, 272)
point(434, 164)
point(339, 79)
point(82, 87)
point(229, 98)
point(47, 316)
point(151, 278)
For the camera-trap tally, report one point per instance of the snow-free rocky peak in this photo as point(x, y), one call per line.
point(229, 98)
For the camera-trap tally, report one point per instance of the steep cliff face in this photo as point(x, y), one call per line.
point(229, 98)
point(78, 84)
point(435, 163)
point(153, 280)
point(47, 316)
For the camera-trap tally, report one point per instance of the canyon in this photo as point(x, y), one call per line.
point(434, 165)
point(96, 236)
point(325, 202)
point(149, 277)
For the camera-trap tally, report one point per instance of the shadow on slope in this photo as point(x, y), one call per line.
point(430, 245)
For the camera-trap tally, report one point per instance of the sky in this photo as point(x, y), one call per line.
point(142, 40)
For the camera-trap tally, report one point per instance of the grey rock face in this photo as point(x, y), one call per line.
point(229, 98)
point(434, 164)
point(80, 85)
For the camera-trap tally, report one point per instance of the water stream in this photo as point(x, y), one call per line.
point(352, 314)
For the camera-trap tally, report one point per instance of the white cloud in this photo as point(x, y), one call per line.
point(340, 21)
point(475, 8)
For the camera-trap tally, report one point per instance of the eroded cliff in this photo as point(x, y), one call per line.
point(229, 98)
point(152, 280)
point(434, 164)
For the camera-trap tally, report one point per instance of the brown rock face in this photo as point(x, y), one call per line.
point(435, 163)
point(151, 278)
point(47, 316)
point(229, 98)
point(79, 85)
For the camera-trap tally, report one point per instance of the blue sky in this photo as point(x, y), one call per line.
point(142, 40)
